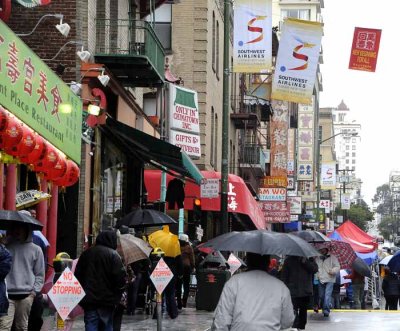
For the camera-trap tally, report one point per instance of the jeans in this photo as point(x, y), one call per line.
point(185, 281)
point(169, 294)
point(98, 320)
point(358, 293)
point(325, 295)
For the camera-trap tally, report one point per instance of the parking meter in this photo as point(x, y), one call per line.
point(60, 263)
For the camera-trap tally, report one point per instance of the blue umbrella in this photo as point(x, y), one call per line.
point(394, 263)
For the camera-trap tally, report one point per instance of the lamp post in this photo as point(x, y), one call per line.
point(320, 142)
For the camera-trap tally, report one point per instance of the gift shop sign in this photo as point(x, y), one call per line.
point(272, 194)
point(66, 293)
point(189, 143)
point(33, 92)
point(275, 212)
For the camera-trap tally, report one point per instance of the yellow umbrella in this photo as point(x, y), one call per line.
point(165, 240)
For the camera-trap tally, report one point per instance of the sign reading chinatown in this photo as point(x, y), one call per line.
point(364, 51)
point(32, 92)
point(252, 45)
point(297, 61)
point(184, 124)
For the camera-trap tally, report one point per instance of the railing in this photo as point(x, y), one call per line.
point(246, 105)
point(253, 154)
point(129, 37)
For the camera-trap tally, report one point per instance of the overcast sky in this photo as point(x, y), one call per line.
point(371, 97)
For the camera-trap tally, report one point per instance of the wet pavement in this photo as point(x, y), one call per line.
point(345, 320)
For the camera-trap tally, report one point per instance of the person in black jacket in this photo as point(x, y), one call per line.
point(391, 289)
point(297, 273)
point(102, 275)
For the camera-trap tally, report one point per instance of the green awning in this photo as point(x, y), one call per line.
point(151, 149)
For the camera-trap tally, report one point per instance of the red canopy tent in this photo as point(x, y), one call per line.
point(359, 240)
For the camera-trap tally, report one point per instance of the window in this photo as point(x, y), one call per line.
point(212, 137)
point(347, 147)
point(353, 147)
point(347, 168)
point(353, 161)
point(303, 14)
point(231, 155)
point(347, 161)
point(162, 24)
point(215, 142)
point(347, 154)
point(353, 140)
point(213, 42)
point(217, 51)
point(353, 168)
point(353, 154)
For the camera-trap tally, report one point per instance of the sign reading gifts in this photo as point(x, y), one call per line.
point(33, 92)
point(184, 123)
point(365, 48)
point(275, 212)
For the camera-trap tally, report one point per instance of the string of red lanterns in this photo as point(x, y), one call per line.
point(20, 141)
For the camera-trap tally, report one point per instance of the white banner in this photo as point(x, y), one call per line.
point(295, 205)
point(252, 36)
point(345, 201)
point(297, 61)
point(189, 143)
point(328, 176)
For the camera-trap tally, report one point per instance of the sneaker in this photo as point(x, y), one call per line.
point(326, 314)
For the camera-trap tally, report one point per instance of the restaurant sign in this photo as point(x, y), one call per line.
point(275, 212)
point(32, 92)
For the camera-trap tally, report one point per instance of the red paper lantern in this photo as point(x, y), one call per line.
point(70, 177)
point(49, 160)
point(12, 134)
point(25, 146)
point(37, 153)
point(58, 171)
point(3, 119)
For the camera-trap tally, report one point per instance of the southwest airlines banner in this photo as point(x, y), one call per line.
point(364, 51)
point(328, 176)
point(297, 61)
point(252, 44)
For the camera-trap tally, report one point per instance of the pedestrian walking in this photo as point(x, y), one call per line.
point(391, 289)
point(102, 275)
point(273, 268)
point(5, 267)
point(188, 267)
point(176, 266)
point(25, 279)
point(336, 292)
point(297, 273)
point(254, 300)
point(358, 283)
point(328, 267)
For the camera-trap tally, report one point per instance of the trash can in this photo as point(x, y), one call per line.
point(211, 278)
point(60, 263)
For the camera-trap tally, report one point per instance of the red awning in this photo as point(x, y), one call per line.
point(361, 241)
point(240, 199)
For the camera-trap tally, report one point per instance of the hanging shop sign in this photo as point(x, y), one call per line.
point(274, 181)
point(252, 38)
point(275, 212)
point(32, 92)
point(209, 188)
point(295, 205)
point(325, 204)
point(279, 138)
point(305, 145)
point(365, 48)
point(33, 3)
point(272, 194)
point(297, 61)
point(29, 198)
point(328, 176)
point(345, 201)
point(184, 123)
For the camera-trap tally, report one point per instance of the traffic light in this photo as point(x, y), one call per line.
point(196, 210)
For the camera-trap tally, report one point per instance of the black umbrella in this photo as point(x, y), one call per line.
point(361, 267)
point(10, 217)
point(263, 242)
point(311, 236)
point(145, 217)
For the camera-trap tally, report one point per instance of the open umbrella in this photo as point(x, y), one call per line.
point(311, 236)
point(394, 263)
point(262, 242)
point(10, 217)
point(145, 217)
point(361, 267)
point(386, 260)
point(342, 250)
point(165, 240)
point(132, 249)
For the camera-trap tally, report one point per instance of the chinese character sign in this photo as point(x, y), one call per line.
point(252, 34)
point(297, 61)
point(305, 146)
point(364, 51)
point(32, 92)
point(279, 138)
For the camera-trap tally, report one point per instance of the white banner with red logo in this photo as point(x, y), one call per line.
point(252, 36)
point(297, 61)
point(328, 176)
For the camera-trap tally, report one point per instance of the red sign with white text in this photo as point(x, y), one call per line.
point(275, 211)
point(364, 51)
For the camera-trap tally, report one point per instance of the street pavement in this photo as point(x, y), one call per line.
point(340, 320)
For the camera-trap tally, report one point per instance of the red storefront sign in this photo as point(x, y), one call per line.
point(275, 212)
point(364, 51)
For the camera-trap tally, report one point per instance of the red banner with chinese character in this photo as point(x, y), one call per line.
point(364, 51)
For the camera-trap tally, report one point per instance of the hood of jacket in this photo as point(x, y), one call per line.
point(108, 239)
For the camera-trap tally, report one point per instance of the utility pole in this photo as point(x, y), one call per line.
point(225, 120)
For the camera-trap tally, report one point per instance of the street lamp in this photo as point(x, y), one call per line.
point(320, 142)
